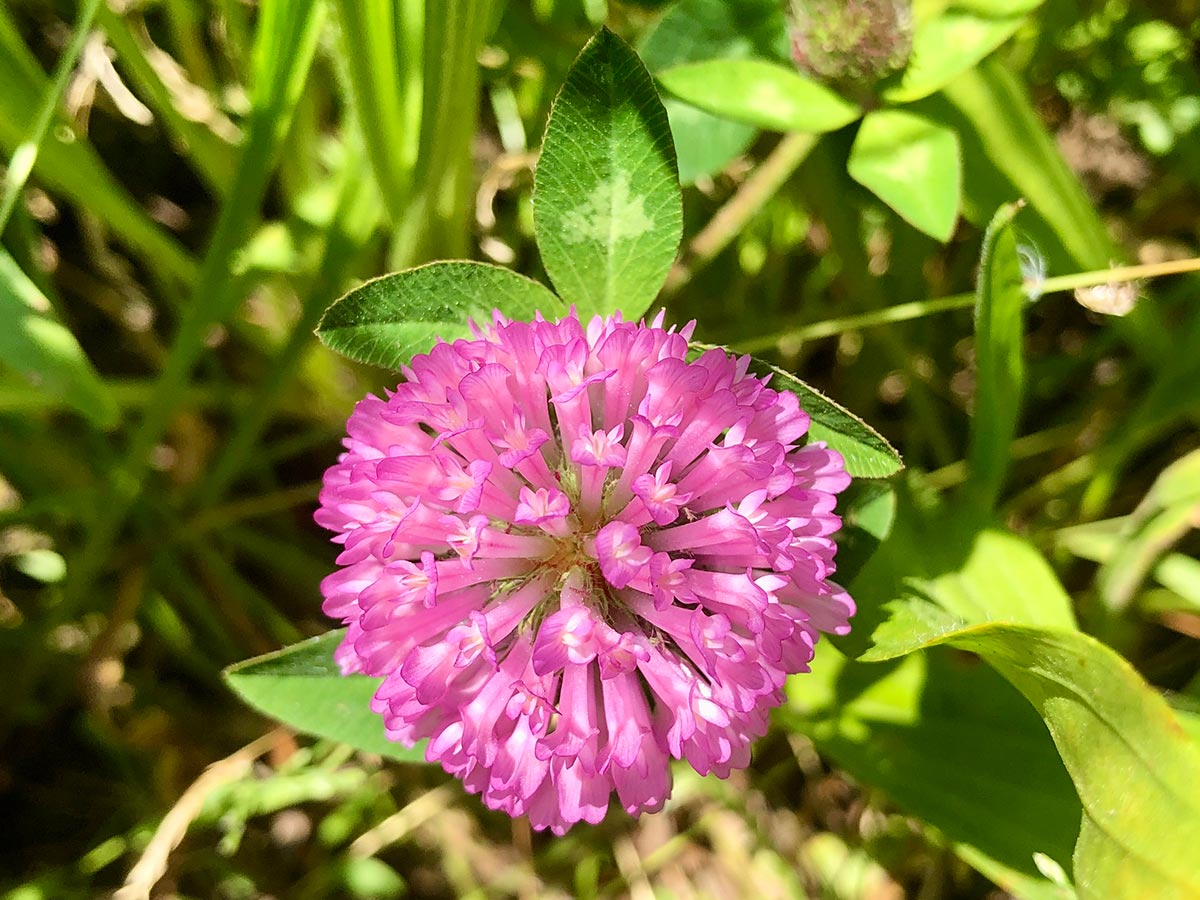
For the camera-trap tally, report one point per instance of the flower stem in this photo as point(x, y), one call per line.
point(751, 197)
point(905, 312)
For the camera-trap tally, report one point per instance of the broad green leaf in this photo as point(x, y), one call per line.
point(958, 557)
point(868, 511)
point(948, 44)
point(867, 453)
point(302, 687)
point(760, 93)
point(949, 742)
point(387, 321)
point(1136, 770)
point(696, 30)
point(913, 165)
point(705, 143)
point(43, 350)
point(1000, 358)
point(607, 209)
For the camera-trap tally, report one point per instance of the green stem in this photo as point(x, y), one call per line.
point(220, 517)
point(25, 155)
point(354, 220)
point(1024, 447)
point(905, 312)
point(750, 198)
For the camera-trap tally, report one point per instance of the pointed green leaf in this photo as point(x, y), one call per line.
point(44, 351)
point(387, 321)
point(1136, 770)
point(759, 93)
point(953, 42)
point(607, 209)
point(999, 357)
point(867, 453)
point(912, 164)
point(302, 687)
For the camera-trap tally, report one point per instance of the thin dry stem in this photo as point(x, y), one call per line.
point(153, 863)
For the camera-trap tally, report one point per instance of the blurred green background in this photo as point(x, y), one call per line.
point(204, 178)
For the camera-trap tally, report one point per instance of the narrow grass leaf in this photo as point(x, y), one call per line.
point(912, 164)
point(45, 352)
point(607, 209)
point(385, 322)
point(285, 43)
point(67, 164)
point(999, 358)
point(385, 89)
point(1101, 541)
point(760, 93)
point(1170, 510)
point(1134, 767)
point(206, 143)
point(302, 687)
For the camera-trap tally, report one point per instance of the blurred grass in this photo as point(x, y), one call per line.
point(277, 154)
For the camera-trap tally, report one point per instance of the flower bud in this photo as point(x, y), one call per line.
point(851, 44)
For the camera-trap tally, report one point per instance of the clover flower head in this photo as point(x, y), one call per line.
point(573, 553)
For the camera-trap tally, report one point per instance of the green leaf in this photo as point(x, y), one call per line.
point(868, 511)
point(1000, 359)
point(759, 93)
point(951, 43)
point(867, 453)
point(42, 349)
point(1134, 767)
point(952, 744)
point(705, 143)
point(607, 209)
point(1169, 511)
point(387, 321)
point(912, 164)
point(1008, 154)
point(698, 30)
point(302, 687)
point(956, 556)
point(1101, 541)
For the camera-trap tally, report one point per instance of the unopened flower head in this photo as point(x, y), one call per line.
point(851, 43)
point(572, 554)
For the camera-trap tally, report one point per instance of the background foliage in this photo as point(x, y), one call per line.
point(188, 186)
